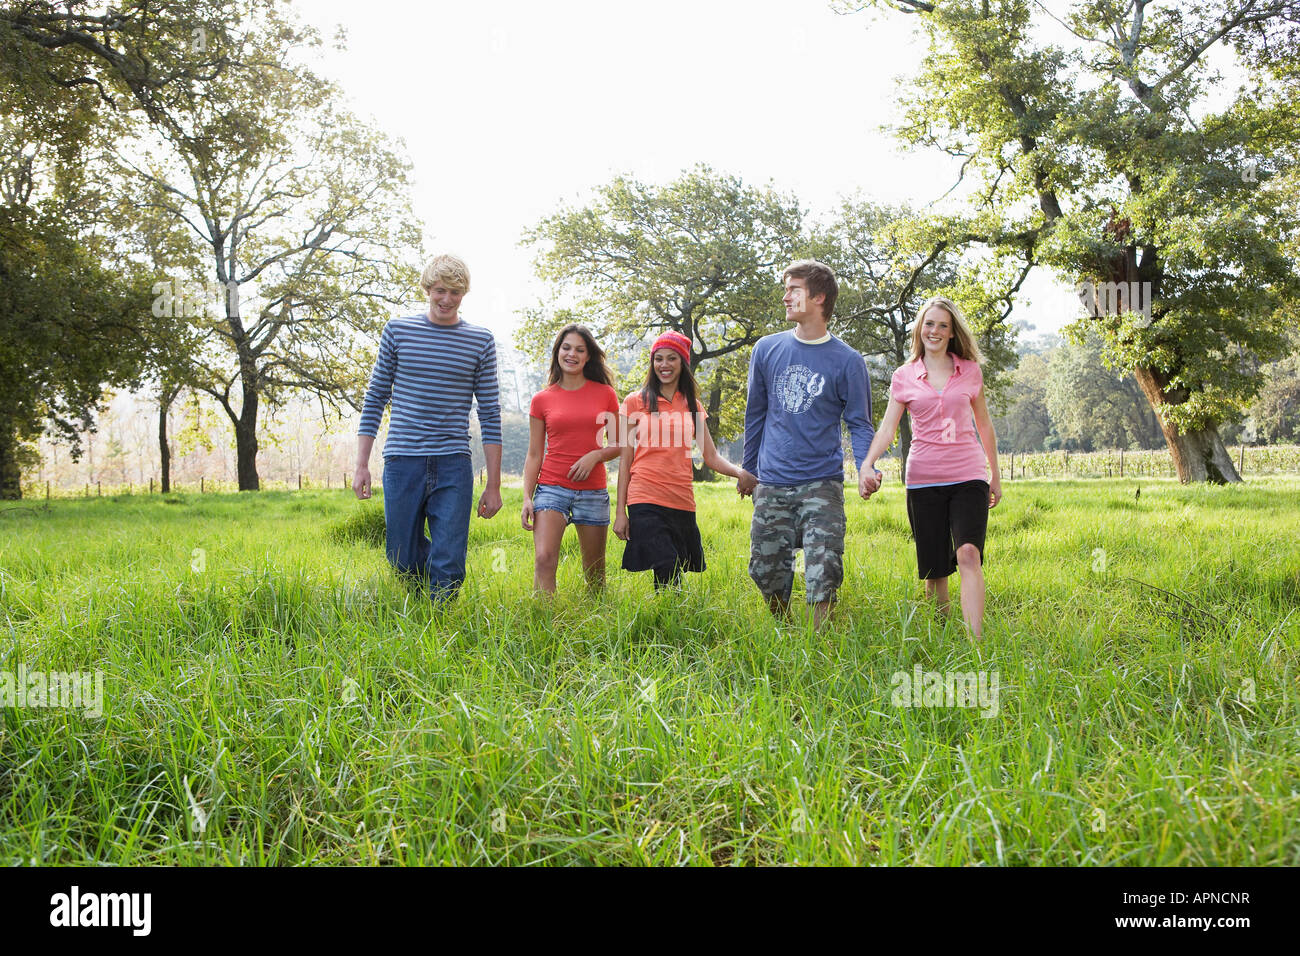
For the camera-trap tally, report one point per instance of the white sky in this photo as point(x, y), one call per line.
point(511, 109)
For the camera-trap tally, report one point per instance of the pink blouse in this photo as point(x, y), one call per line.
point(945, 445)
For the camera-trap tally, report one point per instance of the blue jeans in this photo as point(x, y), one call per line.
point(438, 489)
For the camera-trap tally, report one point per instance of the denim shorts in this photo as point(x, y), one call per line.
point(585, 506)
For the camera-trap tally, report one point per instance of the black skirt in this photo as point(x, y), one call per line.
point(660, 537)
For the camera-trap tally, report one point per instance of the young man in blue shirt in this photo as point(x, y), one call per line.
point(432, 368)
point(802, 384)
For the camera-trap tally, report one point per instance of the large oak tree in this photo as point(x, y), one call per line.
point(1118, 155)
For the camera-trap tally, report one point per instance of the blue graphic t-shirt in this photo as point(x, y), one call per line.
point(799, 392)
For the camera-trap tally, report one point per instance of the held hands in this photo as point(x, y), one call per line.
point(621, 527)
point(746, 484)
point(361, 482)
point(869, 482)
point(526, 516)
point(489, 503)
point(582, 467)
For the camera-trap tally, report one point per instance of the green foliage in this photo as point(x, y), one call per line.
point(1020, 418)
point(363, 525)
point(701, 255)
point(1092, 406)
point(295, 207)
point(67, 327)
point(1119, 159)
point(1276, 413)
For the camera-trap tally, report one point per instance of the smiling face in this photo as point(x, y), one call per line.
point(572, 354)
point(668, 367)
point(936, 330)
point(444, 303)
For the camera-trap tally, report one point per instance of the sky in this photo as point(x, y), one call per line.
point(511, 110)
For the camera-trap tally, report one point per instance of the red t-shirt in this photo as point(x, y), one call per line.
point(574, 423)
point(661, 468)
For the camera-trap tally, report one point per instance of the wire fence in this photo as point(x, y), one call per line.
point(1157, 463)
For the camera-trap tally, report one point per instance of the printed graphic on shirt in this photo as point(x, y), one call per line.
point(797, 386)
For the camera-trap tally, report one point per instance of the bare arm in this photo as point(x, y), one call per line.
point(885, 433)
point(989, 439)
point(532, 467)
point(624, 479)
point(869, 477)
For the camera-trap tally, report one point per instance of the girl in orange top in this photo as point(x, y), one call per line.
point(564, 471)
point(655, 513)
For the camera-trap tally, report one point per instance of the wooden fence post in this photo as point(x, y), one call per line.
point(1241, 460)
point(47, 489)
point(99, 489)
point(300, 481)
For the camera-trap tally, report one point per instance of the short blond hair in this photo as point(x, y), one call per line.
point(451, 271)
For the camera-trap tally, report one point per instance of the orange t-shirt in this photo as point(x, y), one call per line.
point(661, 467)
point(574, 422)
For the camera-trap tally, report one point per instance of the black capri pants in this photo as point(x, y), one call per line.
point(943, 518)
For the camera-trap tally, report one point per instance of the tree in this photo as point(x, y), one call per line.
point(1022, 421)
point(1106, 161)
point(1094, 407)
point(301, 214)
point(69, 303)
point(133, 53)
point(66, 327)
point(887, 267)
point(701, 256)
point(1276, 412)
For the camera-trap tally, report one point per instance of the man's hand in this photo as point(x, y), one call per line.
point(621, 527)
point(489, 503)
point(582, 467)
point(746, 484)
point(361, 482)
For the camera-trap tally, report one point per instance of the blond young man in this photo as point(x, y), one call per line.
point(431, 368)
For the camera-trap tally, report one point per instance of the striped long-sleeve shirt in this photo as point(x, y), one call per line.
point(432, 374)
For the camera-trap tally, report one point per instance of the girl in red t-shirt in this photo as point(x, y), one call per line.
point(564, 472)
point(655, 513)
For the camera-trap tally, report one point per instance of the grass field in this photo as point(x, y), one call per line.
point(273, 695)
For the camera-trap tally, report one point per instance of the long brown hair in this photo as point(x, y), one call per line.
point(596, 369)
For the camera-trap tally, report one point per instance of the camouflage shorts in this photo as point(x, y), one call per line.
point(808, 516)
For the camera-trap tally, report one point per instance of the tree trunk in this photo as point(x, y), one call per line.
point(165, 399)
point(11, 487)
point(1198, 455)
point(246, 442)
point(704, 472)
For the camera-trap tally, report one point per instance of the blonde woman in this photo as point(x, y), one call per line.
point(952, 475)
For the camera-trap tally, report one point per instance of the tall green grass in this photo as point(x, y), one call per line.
point(273, 695)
